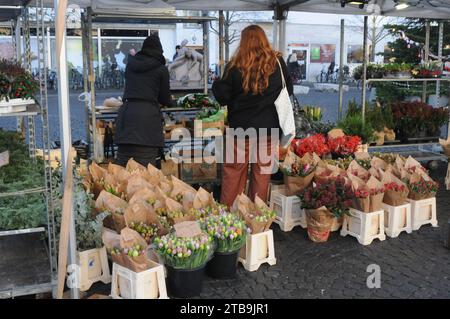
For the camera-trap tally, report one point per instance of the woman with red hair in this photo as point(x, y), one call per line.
point(252, 82)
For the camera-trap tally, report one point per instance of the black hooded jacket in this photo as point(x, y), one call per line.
point(147, 86)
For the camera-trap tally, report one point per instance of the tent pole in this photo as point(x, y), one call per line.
point(341, 70)
point(205, 53)
point(64, 116)
point(426, 58)
point(275, 33)
point(221, 43)
point(440, 45)
point(91, 85)
point(282, 36)
point(364, 73)
point(85, 50)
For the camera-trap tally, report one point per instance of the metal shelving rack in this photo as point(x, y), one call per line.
point(32, 276)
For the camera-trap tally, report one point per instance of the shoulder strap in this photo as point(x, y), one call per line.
point(283, 80)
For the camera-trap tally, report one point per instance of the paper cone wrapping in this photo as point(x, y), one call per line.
point(135, 184)
point(201, 199)
point(129, 238)
point(376, 201)
point(144, 194)
point(109, 202)
point(357, 170)
point(361, 204)
point(392, 169)
point(378, 163)
point(133, 166)
point(319, 223)
point(362, 156)
point(261, 206)
point(335, 133)
point(248, 211)
point(415, 178)
point(392, 197)
point(445, 146)
point(296, 184)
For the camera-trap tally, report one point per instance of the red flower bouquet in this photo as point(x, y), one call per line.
point(312, 144)
point(421, 187)
point(344, 146)
point(396, 191)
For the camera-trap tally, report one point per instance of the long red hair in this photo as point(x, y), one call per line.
point(255, 59)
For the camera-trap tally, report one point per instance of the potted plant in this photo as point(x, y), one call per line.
point(432, 69)
point(17, 86)
point(397, 70)
point(229, 233)
point(324, 201)
point(185, 259)
point(353, 124)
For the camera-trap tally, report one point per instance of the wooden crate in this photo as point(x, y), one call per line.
point(204, 171)
point(148, 284)
point(204, 129)
point(288, 209)
point(258, 249)
point(364, 226)
point(397, 219)
point(423, 212)
point(93, 267)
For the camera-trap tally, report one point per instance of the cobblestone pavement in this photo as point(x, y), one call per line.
point(413, 265)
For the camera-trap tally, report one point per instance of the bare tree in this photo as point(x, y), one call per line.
point(377, 32)
point(231, 35)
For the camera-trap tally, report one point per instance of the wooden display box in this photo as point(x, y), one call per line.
point(206, 129)
point(204, 171)
point(258, 249)
point(364, 226)
point(423, 212)
point(94, 267)
point(148, 284)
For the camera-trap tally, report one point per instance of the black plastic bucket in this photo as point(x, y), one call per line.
point(185, 283)
point(223, 265)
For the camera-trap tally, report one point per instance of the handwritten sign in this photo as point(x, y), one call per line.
point(187, 229)
point(4, 158)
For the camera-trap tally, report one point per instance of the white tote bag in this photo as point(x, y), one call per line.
point(285, 112)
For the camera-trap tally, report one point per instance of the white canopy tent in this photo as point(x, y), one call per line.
point(432, 9)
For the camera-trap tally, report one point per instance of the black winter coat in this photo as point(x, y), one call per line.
point(250, 110)
point(140, 120)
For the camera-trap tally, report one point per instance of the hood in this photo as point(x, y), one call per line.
point(144, 62)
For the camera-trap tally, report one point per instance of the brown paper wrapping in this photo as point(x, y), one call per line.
point(145, 213)
point(335, 133)
point(202, 199)
point(362, 156)
point(129, 238)
point(97, 172)
point(361, 204)
point(378, 163)
point(445, 146)
point(319, 223)
point(248, 211)
point(414, 178)
point(144, 194)
point(376, 201)
point(133, 166)
point(296, 184)
point(135, 184)
point(109, 202)
point(119, 172)
point(110, 238)
point(322, 174)
point(361, 172)
point(260, 206)
point(391, 197)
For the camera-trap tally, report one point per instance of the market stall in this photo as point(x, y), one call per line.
point(27, 233)
point(152, 220)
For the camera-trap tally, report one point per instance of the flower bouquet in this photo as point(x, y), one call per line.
point(312, 144)
point(228, 230)
point(421, 187)
point(322, 203)
point(185, 259)
point(175, 212)
point(343, 146)
point(197, 100)
point(257, 215)
point(298, 172)
point(396, 191)
point(132, 252)
point(357, 170)
point(107, 202)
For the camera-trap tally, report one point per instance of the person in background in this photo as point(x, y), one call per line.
point(293, 67)
point(139, 125)
point(251, 83)
point(177, 49)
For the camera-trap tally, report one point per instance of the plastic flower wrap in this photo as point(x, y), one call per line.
point(228, 230)
point(184, 252)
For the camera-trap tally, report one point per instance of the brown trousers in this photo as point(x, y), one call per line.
point(235, 171)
